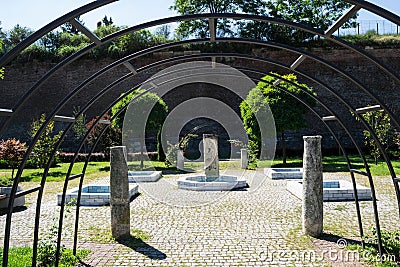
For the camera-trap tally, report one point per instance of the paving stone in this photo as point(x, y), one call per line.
point(238, 229)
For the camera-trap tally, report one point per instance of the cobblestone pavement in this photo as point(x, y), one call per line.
point(241, 228)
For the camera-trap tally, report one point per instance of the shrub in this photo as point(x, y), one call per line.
point(44, 146)
point(12, 152)
point(141, 105)
point(380, 123)
point(111, 136)
point(6, 181)
point(287, 111)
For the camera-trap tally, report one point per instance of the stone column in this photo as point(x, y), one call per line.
point(119, 193)
point(210, 142)
point(180, 160)
point(244, 158)
point(312, 214)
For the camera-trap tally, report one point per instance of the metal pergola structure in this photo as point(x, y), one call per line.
point(329, 117)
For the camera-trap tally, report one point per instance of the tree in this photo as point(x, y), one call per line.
point(155, 119)
point(200, 28)
point(320, 14)
point(380, 124)
point(163, 31)
point(79, 127)
point(107, 21)
point(51, 41)
point(12, 151)
point(44, 146)
point(15, 36)
point(68, 27)
point(287, 111)
point(110, 138)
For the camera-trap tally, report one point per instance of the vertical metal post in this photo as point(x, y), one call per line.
point(377, 28)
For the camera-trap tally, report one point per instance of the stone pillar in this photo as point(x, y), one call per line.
point(119, 193)
point(244, 158)
point(210, 142)
point(312, 214)
point(180, 160)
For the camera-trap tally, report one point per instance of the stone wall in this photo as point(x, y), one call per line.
point(19, 78)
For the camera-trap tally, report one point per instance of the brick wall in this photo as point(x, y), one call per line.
point(19, 78)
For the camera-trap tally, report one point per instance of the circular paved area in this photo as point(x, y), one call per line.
point(243, 228)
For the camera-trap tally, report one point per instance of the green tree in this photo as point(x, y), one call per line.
point(200, 28)
point(320, 14)
point(155, 120)
point(44, 146)
point(15, 36)
point(380, 124)
point(68, 27)
point(12, 151)
point(111, 137)
point(288, 113)
point(107, 21)
point(79, 127)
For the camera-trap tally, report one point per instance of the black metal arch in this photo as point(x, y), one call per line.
point(331, 112)
point(328, 35)
point(157, 63)
point(8, 57)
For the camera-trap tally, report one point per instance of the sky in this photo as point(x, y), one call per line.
point(36, 14)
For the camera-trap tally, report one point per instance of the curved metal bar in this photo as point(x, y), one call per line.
point(366, 165)
point(118, 100)
point(246, 17)
point(345, 154)
point(254, 19)
point(376, 10)
point(51, 26)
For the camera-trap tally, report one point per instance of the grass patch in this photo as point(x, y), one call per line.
point(338, 164)
point(58, 173)
point(340, 208)
point(22, 256)
point(104, 236)
point(98, 169)
point(391, 249)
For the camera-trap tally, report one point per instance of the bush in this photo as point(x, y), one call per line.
point(6, 181)
point(12, 152)
point(44, 146)
point(288, 112)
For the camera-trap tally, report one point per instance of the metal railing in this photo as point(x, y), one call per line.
point(380, 27)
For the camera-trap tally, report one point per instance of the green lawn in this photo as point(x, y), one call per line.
point(99, 169)
point(22, 256)
point(338, 164)
point(58, 173)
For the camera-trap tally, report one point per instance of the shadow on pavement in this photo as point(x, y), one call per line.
point(142, 247)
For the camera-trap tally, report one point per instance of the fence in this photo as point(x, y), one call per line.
point(378, 26)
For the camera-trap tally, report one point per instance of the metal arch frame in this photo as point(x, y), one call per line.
point(349, 165)
point(116, 63)
point(340, 41)
point(357, 2)
point(370, 177)
point(202, 56)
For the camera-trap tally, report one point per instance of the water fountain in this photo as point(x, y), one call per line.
point(211, 180)
point(333, 190)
